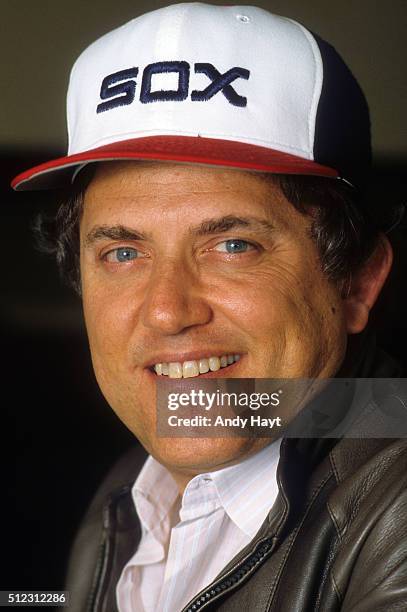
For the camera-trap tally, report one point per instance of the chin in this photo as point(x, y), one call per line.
point(197, 455)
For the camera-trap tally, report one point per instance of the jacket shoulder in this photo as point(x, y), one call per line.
point(368, 509)
point(85, 552)
point(123, 473)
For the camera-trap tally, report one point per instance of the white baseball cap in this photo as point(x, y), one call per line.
point(232, 86)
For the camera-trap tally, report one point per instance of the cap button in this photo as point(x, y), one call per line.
point(243, 18)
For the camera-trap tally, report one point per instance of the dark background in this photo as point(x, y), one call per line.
point(59, 434)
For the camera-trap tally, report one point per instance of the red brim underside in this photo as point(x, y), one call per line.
point(185, 149)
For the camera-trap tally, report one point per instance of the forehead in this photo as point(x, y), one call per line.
point(122, 191)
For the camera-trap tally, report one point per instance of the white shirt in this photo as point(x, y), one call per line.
point(185, 544)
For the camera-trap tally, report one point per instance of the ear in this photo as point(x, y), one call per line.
point(366, 284)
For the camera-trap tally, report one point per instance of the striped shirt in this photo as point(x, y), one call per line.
point(186, 543)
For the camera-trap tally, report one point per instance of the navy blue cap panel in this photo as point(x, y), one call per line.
point(342, 128)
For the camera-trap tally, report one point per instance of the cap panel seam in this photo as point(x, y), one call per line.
point(317, 89)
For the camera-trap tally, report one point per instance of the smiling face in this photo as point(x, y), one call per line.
point(183, 267)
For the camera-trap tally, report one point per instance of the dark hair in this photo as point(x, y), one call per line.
point(58, 235)
point(343, 229)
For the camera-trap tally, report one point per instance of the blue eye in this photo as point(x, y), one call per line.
point(234, 246)
point(121, 255)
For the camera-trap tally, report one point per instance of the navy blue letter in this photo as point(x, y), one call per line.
point(220, 82)
point(122, 94)
point(146, 95)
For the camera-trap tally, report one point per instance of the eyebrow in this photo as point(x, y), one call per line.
point(115, 232)
point(225, 224)
point(206, 227)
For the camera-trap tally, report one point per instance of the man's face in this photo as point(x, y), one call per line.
point(182, 263)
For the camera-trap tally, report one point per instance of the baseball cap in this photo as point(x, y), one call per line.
point(232, 86)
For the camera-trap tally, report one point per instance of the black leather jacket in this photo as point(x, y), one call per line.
point(335, 539)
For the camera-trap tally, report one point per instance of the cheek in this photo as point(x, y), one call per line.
point(315, 327)
point(290, 314)
point(274, 294)
point(109, 317)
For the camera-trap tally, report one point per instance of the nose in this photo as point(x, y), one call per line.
point(174, 300)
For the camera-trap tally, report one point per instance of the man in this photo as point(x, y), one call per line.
point(215, 228)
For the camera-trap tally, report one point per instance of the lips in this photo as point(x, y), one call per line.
point(192, 368)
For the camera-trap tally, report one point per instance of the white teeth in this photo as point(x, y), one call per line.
point(214, 364)
point(175, 370)
point(203, 366)
point(164, 369)
point(192, 368)
point(158, 368)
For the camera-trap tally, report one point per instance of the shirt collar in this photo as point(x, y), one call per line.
point(246, 490)
point(154, 494)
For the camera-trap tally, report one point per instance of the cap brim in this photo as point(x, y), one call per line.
point(58, 173)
